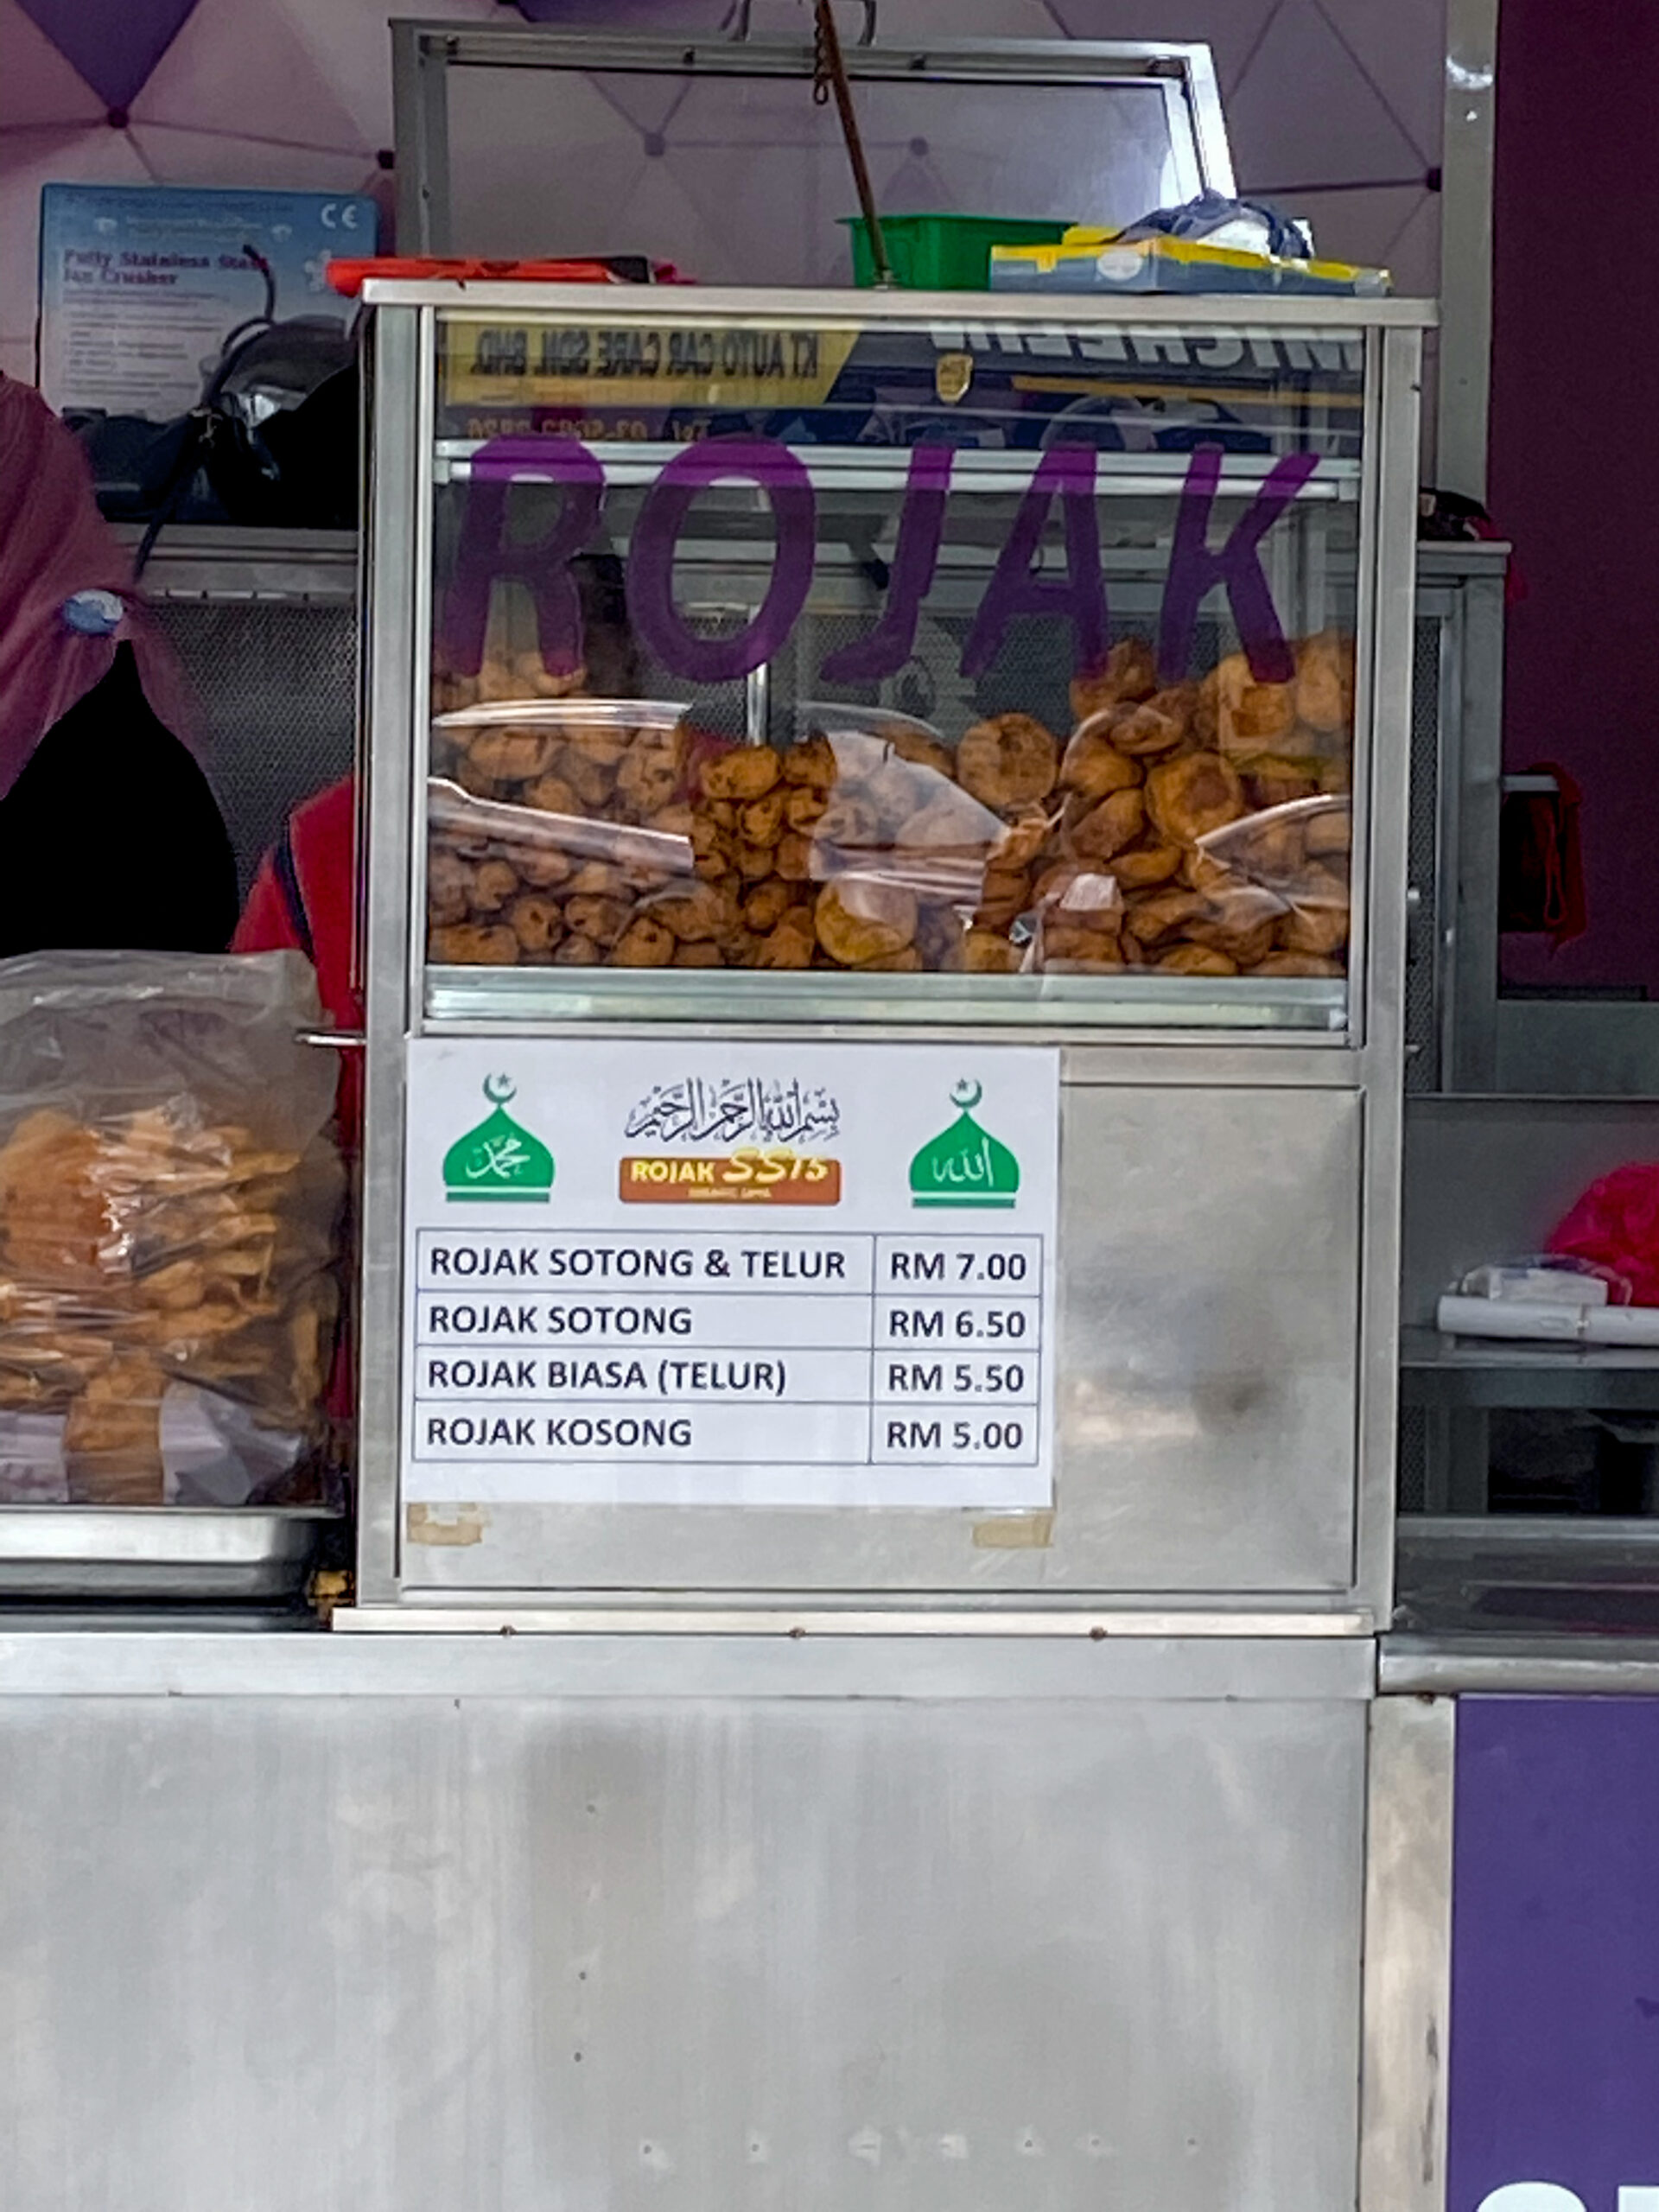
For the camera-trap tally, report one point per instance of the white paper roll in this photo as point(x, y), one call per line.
point(1514, 1319)
point(1520, 1320)
point(1623, 1324)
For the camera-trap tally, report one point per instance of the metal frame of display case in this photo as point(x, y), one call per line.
point(1366, 1065)
point(423, 54)
point(1477, 1041)
point(1457, 747)
point(1512, 1102)
point(1468, 138)
point(1466, 1037)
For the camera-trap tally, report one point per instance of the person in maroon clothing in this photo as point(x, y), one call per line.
point(110, 836)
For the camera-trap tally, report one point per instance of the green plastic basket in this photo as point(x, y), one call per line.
point(944, 253)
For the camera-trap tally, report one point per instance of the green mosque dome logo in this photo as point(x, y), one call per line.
point(965, 1165)
point(498, 1160)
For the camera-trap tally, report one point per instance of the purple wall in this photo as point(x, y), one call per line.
point(1575, 445)
point(1554, 2058)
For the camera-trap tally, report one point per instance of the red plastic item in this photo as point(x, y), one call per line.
point(1616, 1224)
point(347, 276)
point(1541, 871)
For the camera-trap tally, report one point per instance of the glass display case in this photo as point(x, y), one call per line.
point(890, 659)
point(902, 668)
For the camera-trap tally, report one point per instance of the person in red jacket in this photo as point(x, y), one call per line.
point(304, 900)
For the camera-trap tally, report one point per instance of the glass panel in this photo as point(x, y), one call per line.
point(1024, 658)
point(743, 181)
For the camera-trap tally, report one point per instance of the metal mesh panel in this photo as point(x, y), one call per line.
point(1413, 1459)
point(276, 687)
point(1422, 859)
point(721, 709)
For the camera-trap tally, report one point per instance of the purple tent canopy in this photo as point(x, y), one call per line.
point(113, 44)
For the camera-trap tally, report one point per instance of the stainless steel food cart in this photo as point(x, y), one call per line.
point(1229, 1158)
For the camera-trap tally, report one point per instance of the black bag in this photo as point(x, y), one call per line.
point(272, 441)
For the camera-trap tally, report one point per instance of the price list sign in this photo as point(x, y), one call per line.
point(745, 1276)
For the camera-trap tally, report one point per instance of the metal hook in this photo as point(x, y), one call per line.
point(744, 8)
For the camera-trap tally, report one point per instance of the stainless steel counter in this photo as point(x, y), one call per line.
point(1519, 1666)
point(165, 1660)
point(420, 1922)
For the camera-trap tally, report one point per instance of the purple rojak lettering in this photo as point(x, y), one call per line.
point(788, 488)
point(1079, 596)
point(1195, 569)
point(485, 554)
point(916, 555)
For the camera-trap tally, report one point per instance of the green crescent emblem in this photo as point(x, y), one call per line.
point(963, 1165)
point(499, 1160)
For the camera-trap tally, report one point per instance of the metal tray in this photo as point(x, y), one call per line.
point(158, 1552)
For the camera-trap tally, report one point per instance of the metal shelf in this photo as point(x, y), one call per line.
point(228, 563)
point(234, 1554)
point(1528, 1576)
point(834, 469)
point(1312, 1009)
point(1438, 1371)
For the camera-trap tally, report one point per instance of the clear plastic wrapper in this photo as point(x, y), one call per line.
point(1546, 1279)
point(1286, 870)
point(1215, 218)
point(170, 1195)
point(1197, 829)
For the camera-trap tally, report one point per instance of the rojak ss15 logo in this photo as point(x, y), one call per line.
point(773, 1136)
